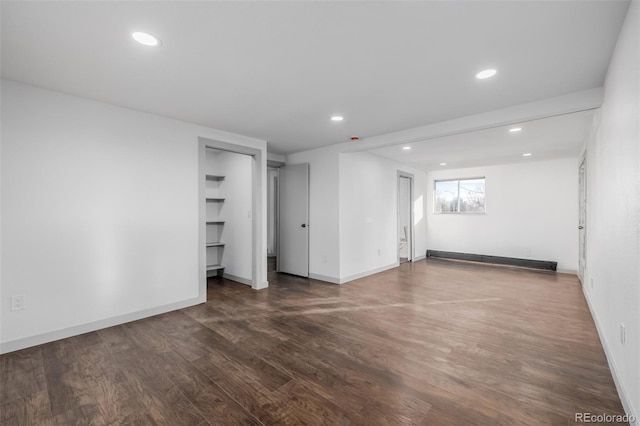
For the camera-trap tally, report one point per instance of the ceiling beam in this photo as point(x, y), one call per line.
point(550, 107)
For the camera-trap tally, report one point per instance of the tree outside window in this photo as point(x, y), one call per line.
point(460, 196)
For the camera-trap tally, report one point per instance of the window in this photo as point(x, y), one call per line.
point(459, 196)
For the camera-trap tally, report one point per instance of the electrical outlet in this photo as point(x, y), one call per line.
point(17, 302)
point(379, 252)
point(592, 283)
point(325, 259)
point(623, 333)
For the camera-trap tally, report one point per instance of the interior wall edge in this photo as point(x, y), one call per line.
point(260, 286)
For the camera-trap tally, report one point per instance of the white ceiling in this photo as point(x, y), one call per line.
point(279, 70)
point(549, 138)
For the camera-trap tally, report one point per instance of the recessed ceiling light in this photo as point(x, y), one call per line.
point(515, 129)
point(528, 154)
point(145, 38)
point(337, 118)
point(486, 74)
point(443, 164)
point(406, 148)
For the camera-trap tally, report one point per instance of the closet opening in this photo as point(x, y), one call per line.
point(231, 244)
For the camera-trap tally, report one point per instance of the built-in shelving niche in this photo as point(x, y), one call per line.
point(214, 225)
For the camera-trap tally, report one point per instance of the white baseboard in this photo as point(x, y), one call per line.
point(237, 279)
point(260, 286)
point(622, 392)
point(417, 258)
point(567, 271)
point(51, 336)
point(369, 272)
point(245, 281)
point(332, 280)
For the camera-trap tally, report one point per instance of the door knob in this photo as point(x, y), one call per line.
point(304, 225)
point(580, 227)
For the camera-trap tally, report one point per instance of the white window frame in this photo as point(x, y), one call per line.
point(435, 194)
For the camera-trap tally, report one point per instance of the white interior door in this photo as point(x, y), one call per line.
point(293, 257)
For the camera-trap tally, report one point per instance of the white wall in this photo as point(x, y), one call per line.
point(324, 246)
point(353, 212)
point(532, 213)
point(369, 213)
point(100, 214)
point(612, 283)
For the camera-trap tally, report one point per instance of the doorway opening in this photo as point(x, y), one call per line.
point(231, 242)
point(273, 176)
point(405, 217)
point(582, 219)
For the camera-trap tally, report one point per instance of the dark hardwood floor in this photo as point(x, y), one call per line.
point(429, 343)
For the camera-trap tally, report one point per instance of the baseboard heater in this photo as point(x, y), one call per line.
point(511, 261)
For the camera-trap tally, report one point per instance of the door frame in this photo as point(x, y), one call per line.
point(582, 218)
point(274, 164)
point(411, 249)
point(258, 217)
point(275, 210)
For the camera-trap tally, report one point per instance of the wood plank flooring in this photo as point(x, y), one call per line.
point(429, 343)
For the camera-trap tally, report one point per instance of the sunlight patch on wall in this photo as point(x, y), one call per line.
point(418, 211)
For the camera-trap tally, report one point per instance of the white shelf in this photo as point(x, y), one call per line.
point(214, 225)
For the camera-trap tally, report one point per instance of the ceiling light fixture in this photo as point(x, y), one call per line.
point(443, 164)
point(337, 118)
point(406, 148)
point(145, 38)
point(486, 74)
point(515, 129)
point(528, 154)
